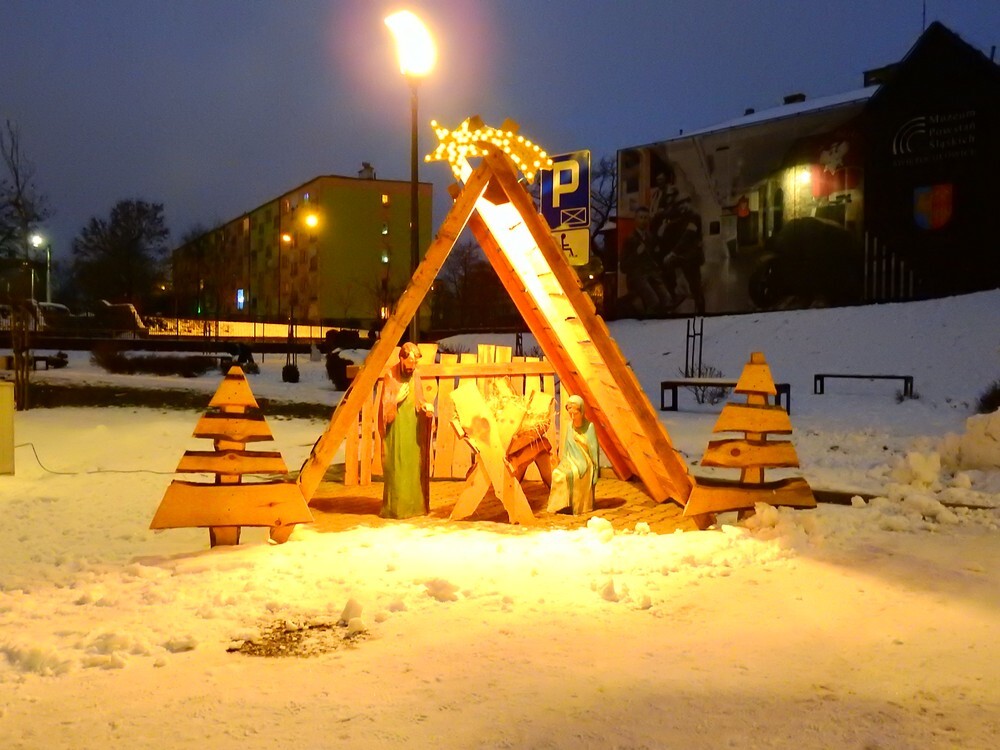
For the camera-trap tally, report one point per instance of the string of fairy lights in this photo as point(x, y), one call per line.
point(475, 138)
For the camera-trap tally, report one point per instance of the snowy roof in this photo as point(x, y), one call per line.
point(809, 106)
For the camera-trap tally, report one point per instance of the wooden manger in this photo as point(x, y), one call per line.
point(491, 201)
point(462, 387)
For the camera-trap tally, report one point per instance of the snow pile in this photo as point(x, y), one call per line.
point(978, 447)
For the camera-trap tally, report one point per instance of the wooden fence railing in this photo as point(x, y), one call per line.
point(451, 458)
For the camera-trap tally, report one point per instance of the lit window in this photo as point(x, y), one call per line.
point(385, 199)
point(385, 256)
point(240, 299)
point(385, 229)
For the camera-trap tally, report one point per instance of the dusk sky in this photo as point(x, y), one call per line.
point(213, 107)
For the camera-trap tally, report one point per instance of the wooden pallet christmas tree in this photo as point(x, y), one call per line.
point(751, 454)
point(232, 420)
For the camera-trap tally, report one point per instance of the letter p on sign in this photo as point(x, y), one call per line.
point(565, 180)
point(565, 191)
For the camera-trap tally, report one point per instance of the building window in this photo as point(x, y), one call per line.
point(385, 199)
point(385, 229)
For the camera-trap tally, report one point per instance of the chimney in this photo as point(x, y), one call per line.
point(367, 171)
point(748, 111)
point(796, 98)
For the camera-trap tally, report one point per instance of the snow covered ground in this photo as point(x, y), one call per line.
point(873, 626)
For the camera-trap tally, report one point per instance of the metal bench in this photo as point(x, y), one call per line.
point(783, 389)
point(48, 361)
point(820, 378)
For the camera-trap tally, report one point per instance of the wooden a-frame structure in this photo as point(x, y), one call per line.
point(547, 293)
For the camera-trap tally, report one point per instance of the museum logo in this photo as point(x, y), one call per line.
point(932, 138)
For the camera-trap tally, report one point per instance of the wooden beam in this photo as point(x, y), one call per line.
point(188, 504)
point(739, 454)
point(715, 496)
point(753, 418)
point(233, 462)
point(240, 428)
point(489, 370)
point(583, 338)
point(673, 464)
point(346, 413)
point(541, 328)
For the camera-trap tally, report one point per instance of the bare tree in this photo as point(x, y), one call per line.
point(117, 259)
point(22, 206)
point(603, 192)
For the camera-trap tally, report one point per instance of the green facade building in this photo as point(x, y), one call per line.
point(333, 251)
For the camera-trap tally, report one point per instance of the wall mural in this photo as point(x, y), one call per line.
point(762, 217)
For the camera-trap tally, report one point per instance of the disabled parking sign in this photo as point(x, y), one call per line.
point(565, 203)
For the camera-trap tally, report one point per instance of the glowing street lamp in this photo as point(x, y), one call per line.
point(417, 54)
point(37, 241)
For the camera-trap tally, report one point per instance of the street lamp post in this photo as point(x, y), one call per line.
point(36, 242)
point(416, 51)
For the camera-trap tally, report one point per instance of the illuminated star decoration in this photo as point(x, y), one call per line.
point(475, 138)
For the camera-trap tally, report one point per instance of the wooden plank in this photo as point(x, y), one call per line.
point(738, 454)
point(367, 453)
point(756, 419)
point(756, 378)
point(352, 455)
point(679, 483)
point(550, 343)
point(220, 536)
point(472, 368)
point(464, 456)
point(481, 431)
point(484, 354)
point(444, 449)
point(713, 496)
point(477, 485)
point(243, 428)
point(346, 413)
point(233, 462)
point(234, 391)
point(517, 381)
point(564, 349)
point(190, 504)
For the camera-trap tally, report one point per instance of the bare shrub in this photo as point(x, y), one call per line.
point(706, 394)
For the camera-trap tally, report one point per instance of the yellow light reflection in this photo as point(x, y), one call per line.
point(414, 43)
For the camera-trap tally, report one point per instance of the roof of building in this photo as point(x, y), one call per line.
point(773, 114)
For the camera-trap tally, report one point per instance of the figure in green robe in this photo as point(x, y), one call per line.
point(404, 424)
point(575, 478)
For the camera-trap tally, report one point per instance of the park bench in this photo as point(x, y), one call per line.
point(783, 389)
point(820, 378)
point(53, 361)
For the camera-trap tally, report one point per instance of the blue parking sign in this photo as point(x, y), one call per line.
point(565, 191)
